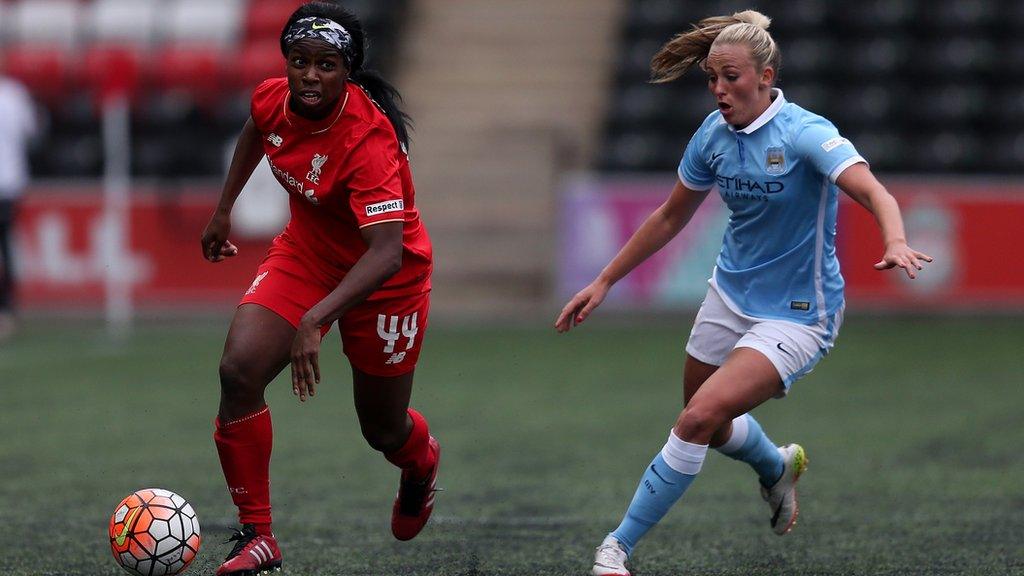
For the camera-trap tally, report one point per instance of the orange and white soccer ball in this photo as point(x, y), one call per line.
point(154, 532)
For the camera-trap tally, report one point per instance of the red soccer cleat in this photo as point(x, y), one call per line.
point(252, 555)
point(415, 500)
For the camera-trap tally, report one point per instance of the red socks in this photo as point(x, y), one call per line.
point(244, 447)
point(415, 456)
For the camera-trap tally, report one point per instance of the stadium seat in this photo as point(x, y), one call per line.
point(109, 69)
point(45, 71)
point(876, 56)
point(204, 22)
point(1007, 154)
point(194, 69)
point(955, 56)
point(259, 61)
point(1009, 101)
point(196, 61)
point(124, 21)
point(870, 16)
point(79, 156)
point(265, 18)
point(955, 16)
point(53, 23)
point(809, 95)
point(853, 106)
point(1011, 56)
point(809, 56)
point(881, 147)
point(791, 18)
point(635, 61)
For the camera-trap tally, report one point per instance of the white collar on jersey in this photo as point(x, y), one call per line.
point(765, 116)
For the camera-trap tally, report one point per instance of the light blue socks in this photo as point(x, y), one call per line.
point(664, 481)
point(748, 443)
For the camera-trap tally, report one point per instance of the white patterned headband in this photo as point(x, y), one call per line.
point(324, 29)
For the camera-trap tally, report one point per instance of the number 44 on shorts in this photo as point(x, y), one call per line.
point(388, 330)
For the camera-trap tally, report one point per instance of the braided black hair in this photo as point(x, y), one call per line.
point(380, 90)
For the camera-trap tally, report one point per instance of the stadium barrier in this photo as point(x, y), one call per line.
point(64, 255)
point(968, 226)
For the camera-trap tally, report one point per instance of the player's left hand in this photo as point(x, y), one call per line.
point(899, 254)
point(305, 360)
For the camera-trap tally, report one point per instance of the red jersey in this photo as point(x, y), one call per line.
point(342, 173)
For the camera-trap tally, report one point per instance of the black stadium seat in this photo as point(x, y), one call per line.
point(918, 86)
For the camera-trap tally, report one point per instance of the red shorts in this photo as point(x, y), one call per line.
point(380, 337)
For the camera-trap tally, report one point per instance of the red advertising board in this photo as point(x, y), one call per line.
point(66, 250)
point(969, 226)
point(971, 230)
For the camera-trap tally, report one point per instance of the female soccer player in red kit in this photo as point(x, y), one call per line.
point(355, 251)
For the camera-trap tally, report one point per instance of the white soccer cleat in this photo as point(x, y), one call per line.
point(610, 559)
point(781, 497)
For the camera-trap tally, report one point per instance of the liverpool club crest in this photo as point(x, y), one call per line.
point(318, 164)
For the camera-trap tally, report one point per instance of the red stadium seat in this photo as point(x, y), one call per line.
point(112, 69)
point(259, 61)
point(198, 70)
point(46, 72)
point(266, 18)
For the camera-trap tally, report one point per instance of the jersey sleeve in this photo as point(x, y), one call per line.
point(372, 177)
point(260, 103)
point(821, 145)
point(694, 171)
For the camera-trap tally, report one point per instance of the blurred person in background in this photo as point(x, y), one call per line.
point(355, 251)
point(775, 302)
point(17, 127)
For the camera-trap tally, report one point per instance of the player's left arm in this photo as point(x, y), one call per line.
point(860, 184)
point(381, 261)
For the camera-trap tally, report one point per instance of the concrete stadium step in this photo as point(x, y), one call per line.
point(505, 96)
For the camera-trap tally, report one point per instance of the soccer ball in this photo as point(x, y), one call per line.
point(154, 532)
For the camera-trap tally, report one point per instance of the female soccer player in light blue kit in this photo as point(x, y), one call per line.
point(775, 301)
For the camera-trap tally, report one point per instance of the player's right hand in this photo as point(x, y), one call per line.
point(577, 310)
point(215, 244)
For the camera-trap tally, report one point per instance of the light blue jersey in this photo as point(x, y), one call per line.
point(777, 175)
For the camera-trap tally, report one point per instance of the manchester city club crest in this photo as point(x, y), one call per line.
point(775, 161)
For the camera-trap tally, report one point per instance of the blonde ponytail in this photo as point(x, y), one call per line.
point(690, 49)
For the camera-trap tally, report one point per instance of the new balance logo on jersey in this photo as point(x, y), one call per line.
point(396, 358)
point(275, 139)
point(387, 329)
point(256, 283)
point(318, 165)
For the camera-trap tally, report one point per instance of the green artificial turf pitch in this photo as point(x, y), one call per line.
point(913, 429)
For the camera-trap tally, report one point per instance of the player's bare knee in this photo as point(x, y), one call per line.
point(698, 423)
point(236, 384)
point(384, 439)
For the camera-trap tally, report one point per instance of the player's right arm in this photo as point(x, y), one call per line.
point(248, 153)
point(660, 227)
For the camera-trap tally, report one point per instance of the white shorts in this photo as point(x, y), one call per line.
point(792, 348)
